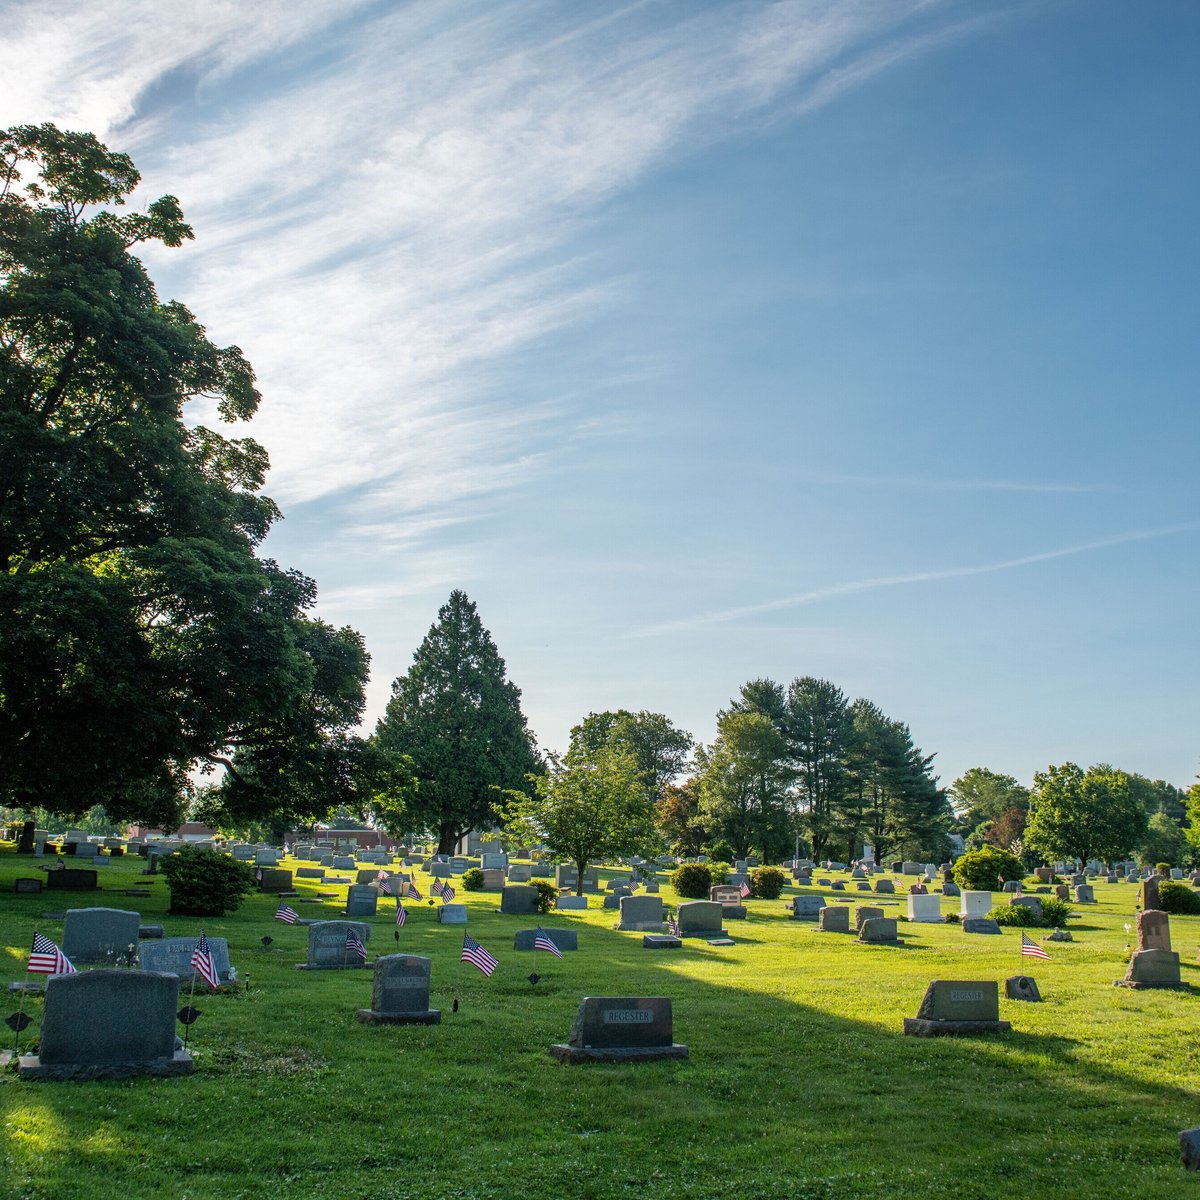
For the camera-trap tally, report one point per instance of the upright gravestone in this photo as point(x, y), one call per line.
point(107, 1024)
point(273, 880)
point(493, 880)
point(729, 898)
point(100, 935)
point(1154, 930)
point(1149, 896)
point(173, 956)
point(328, 949)
point(834, 918)
point(641, 914)
point(864, 913)
point(519, 899)
point(807, 908)
point(884, 887)
point(958, 1006)
point(71, 881)
point(621, 1029)
point(925, 909)
point(361, 901)
point(700, 918)
point(878, 931)
point(400, 992)
point(974, 904)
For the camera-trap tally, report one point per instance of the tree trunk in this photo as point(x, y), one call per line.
point(448, 835)
point(579, 866)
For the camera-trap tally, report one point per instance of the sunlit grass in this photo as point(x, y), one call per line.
point(799, 1084)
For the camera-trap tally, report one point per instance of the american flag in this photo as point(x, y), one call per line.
point(203, 964)
point(543, 941)
point(673, 926)
point(414, 893)
point(354, 944)
point(381, 876)
point(1031, 948)
point(400, 917)
point(744, 889)
point(473, 952)
point(47, 959)
point(288, 915)
point(438, 888)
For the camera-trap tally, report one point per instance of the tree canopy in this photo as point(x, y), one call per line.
point(1078, 814)
point(143, 635)
point(458, 718)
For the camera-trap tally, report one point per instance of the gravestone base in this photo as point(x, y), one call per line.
point(920, 1027)
point(29, 1066)
point(1138, 983)
point(661, 941)
point(621, 1054)
point(368, 1016)
point(734, 912)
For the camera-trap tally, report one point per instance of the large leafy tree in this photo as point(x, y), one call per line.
point(458, 718)
point(745, 779)
point(679, 819)
point(142, 634)
point(659, 748)
point(981, 796)
point(593, 805)
point(1078, 814)
point(893, 800)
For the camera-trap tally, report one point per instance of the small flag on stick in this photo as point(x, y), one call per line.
point(400, 914)
point(475, 954)
point(414, 893)
point(47, 959)
point(203, 963)
point(543, 941)
point(1030, 948)
point(744, 889)
point(354, 945)
point(438, 888)
point(289, 916)
point(673, 926)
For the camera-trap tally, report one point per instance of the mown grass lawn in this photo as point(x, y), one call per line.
point(799, 1083)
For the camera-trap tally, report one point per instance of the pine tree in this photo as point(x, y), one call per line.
point(459, 720)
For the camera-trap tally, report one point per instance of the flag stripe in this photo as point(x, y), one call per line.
point(474, 953)
point(1031, 948)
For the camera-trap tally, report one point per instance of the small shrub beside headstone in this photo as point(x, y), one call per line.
point(1178, 898)
point(766, 883)
point(472, 880)
point(204, 883)
point(692, 880)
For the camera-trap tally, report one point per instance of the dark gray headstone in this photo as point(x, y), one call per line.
point(27, 886)
point(834, 919)
point(273, 880)
point(327, 945)
point(361, 901)
point(400, 992)
point(807, 908)
point(71, 880)
point(108, 1024)
point(519, 899)
point(661, 941)
point(958, 1006)
point(1022, 987)
point(700, 918)
point(883, 886)
point(564, 939)
point(621, 1029)
point(641, 914)
point(100, 935)
point(173, 956)
point(878, 930)
point(979, 925)
point(1152, 969)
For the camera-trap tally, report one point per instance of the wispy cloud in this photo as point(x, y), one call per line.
point(935, 484)
point(856, 586)
point(387, 198)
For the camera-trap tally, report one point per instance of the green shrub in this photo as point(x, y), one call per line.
point(1176, 897)
point(547, 893)
point(204, 883)
point(767, 882)
point(692, 880)
point(981, 870)
point(1054, 911)
point(1163, 868)
point(718, 872)
point(721, 851)
point(472, 880)
point(1014, 914)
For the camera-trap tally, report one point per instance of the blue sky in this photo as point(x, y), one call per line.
point(700, 342)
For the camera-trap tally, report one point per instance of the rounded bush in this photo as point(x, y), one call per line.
point(981, 870)
point(766, 883)
point(1055, 911)
point(717, 872)
point(692, 881)
point(472, 880)
point(1015, 914)
point(204, 883)
point(547, 894)
point(1176, 897)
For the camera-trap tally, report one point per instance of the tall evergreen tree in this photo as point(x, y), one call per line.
point(458, 719)
point(816, 722)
